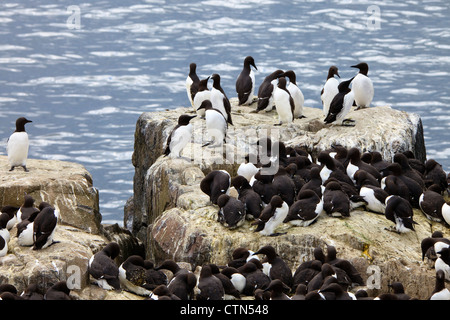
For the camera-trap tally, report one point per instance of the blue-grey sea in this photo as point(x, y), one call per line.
point(83, 71)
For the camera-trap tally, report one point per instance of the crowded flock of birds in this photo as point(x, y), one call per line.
point(340, 181)
point(260, 275)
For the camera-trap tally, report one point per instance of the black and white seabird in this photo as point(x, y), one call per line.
point(202, 94)
point(153, 277)
point(254, 276)
point(209, 286)
point(330, 89)
point(399, 290)
point(103, 268)
point(25, 236)
point(215, 184)
point(32, 293)
point(237, 278)
point(44, 226)
point(399, 211)
point(179, 137)
point(219, 99)
point(4, 235)
point(434, 174)
point(433, 204)
point(440, 292)
point(264, 187)
point(251, 199)
point(27, 208)
point(398, 184)
point(407, 170)
point(284, 186)
point(341, 105)
point(362, 86)
point(443, 262)
point(245, 83)
point(305, 210)
point(11, 213)
point(284, 103)
point(272, 216)
point(355, 163)
point(162, 292)
point(278, 290)
point(430, 245)
point(216, 124)
point(231, 211)
point(375, 198)
point(296, 94)
point(265, 97)
point(59, 291)
point(183, 281)
point(192, 81)
point(336, 202)
point(241, 256)
point(132, 274)
point(18, 145)
point(276, 267)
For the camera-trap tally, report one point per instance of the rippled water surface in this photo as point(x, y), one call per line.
point(84, 86)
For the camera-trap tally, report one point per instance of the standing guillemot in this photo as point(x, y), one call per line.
point(362, 86)
point(296, 94)
point(192, 81)
point(219, 99)
point(330, 89)
point(265, 98)
point(202, 94)
point(284, 103)
point(216, 124)
point(18, 145)
point(179, 137)
point(245, 83)
point(341, 105)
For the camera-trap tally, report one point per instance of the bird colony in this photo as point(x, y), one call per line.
point(302, 190)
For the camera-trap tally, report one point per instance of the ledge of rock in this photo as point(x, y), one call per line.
point(79, 233)
point(176, 220)
point(66, 185)
point(378, 128)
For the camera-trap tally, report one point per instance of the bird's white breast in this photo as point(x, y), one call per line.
point(17, 148)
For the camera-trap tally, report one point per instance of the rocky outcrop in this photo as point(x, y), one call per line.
point(174, 219)
point(379, 128)
point(66, 185)
point(79, 233)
